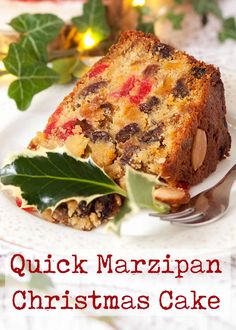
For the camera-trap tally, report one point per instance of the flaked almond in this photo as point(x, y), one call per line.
point(170, 195)
point(199, 149)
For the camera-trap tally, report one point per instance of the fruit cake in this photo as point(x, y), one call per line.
point(147, 105)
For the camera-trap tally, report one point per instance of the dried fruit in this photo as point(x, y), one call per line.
point(199, 149)
point(126, 132)
point(151, 70)
point(67, 129)
point(153, 135)
point(100, 135)
point(128, 154)
point(93, 88)
point(148, 106)
point(126, 87)
point(98, 69)
point(180, 89)
point(144, 89)
point(164, 50)
point(198, 72)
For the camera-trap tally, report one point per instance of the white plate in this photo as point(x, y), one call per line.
point(140, 232)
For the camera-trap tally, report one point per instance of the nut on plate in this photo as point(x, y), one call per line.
point(199, 149)
point(173, 196)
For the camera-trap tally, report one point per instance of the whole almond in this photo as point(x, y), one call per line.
point(170, 195)
point(199, 149)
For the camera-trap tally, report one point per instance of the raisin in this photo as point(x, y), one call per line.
point(148, 106)
point(107, 108)
point(93, 88)
point(153, 135)
point(61, 213)
point(86, 127)
point(126, 132)
point(106, 206)
point(198, 72)
point(151, 70)
point(180, 89)
point(100, 136)
point(85, 209)
point(128, 154)
point(164, 50)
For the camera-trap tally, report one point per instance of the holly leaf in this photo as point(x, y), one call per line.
point(47, 180)
point(228, 30)
point(94, 18)
point(146, 27)
point(140, 188)
point(175, 19)
point(69, 68)
point(33, 76)
point(36, 31)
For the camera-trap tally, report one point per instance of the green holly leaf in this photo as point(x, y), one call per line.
point(146, 27)
point(69, 68)
point(36, 31)
point(140, 188)
point(204, 7)
point(175, 19)
point(47, 180)
point(33, 76)
point(94, 18)
point(228, 30)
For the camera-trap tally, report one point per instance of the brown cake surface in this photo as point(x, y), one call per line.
point(145, 104)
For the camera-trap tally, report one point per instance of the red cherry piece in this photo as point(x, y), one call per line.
point(144, 89)
point(53, 121)
point(67, 129)
point(29, 209)
point(126, 87)
point(98, 69)
point(18, 201)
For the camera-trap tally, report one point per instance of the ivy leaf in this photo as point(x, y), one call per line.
point(140, 191)
point(94, 18)
point(68, 68)
point(36, 48)
point(146, 27)
point(37, 30)
point(175, 19)
point(179, 2)
point(33, 76)
point(46, 180)
point(204, 7)
point(229, 29)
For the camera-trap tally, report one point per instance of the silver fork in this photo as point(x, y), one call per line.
point(206, 207)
